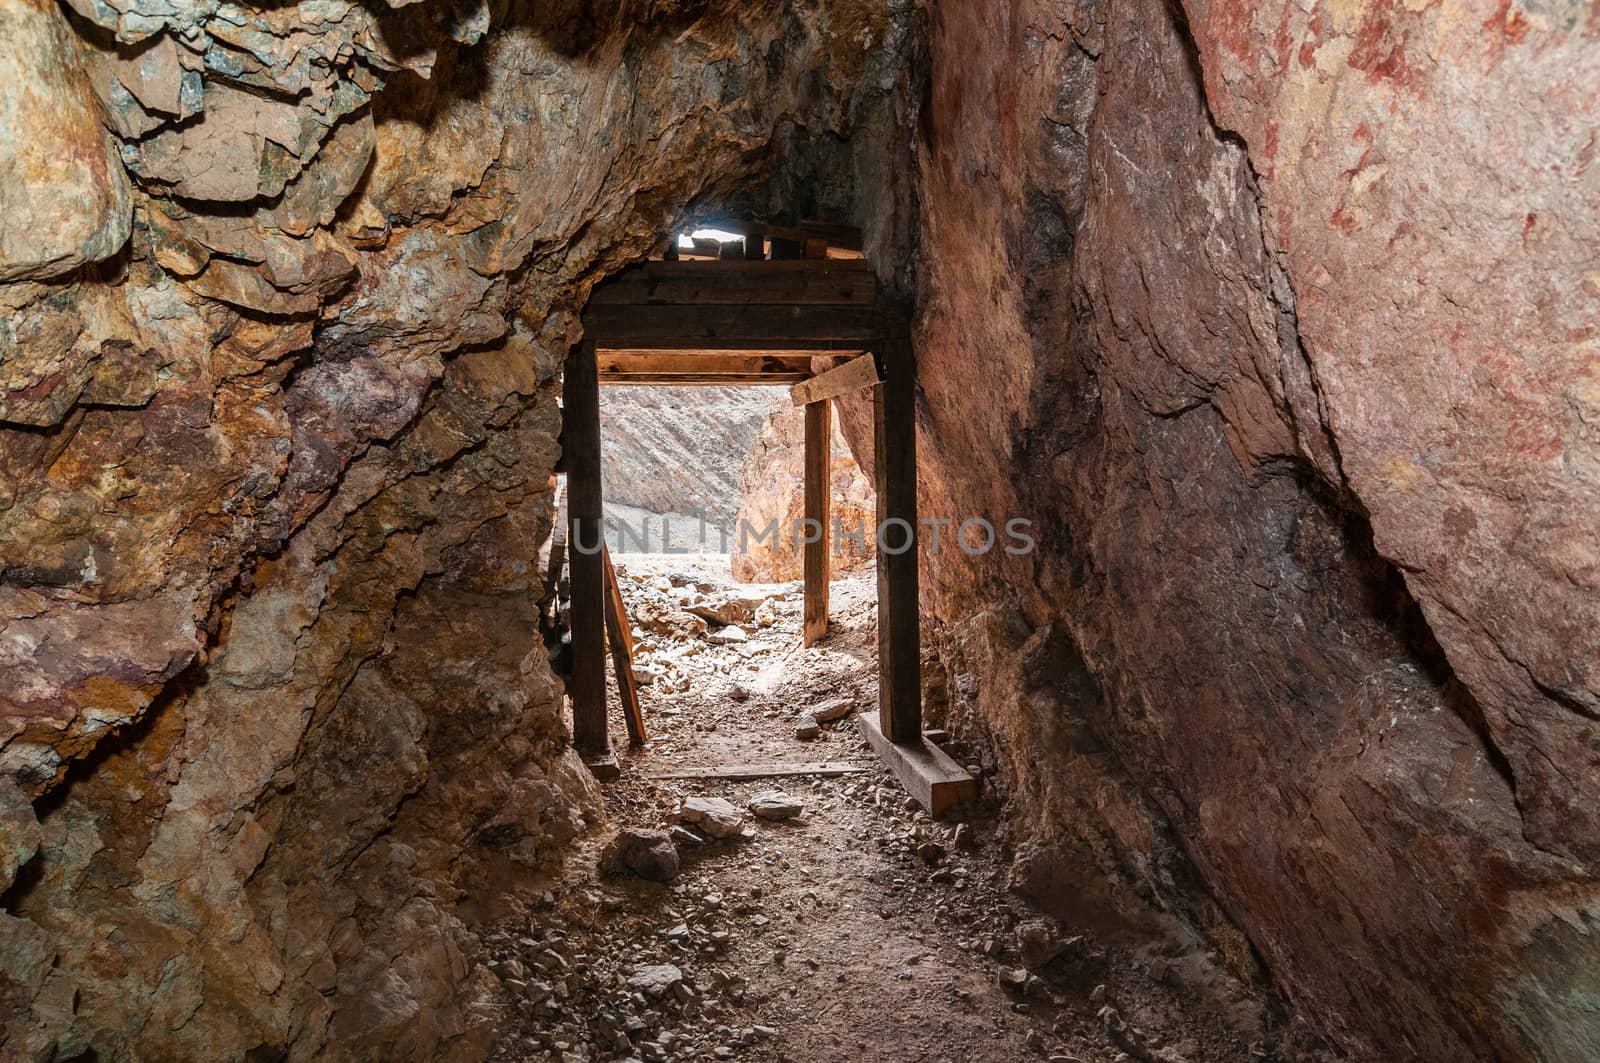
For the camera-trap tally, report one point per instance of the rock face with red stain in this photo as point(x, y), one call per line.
point(772, 489)
point(278, 419)
point(1279, 320)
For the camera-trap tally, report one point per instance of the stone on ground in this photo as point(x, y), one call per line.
point(713, 815)
point(807, 729)
point(649, 854)
point(775, 804)
point(655, 979)
point(828, 711)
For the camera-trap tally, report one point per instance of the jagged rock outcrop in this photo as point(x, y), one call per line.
point(1279, 322)
point(772, 496)
point(278, 416)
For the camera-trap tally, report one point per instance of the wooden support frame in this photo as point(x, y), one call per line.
point(741, 321)
point(818, 485)
point(895, 459)
point(580, 437)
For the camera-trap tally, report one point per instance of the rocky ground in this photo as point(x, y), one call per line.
point(839, 923)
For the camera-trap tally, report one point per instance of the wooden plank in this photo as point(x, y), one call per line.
point(736, 282)
point(736, 772)
point(621, 639)
point(818, 483)
point(843, 236)
point(725, 356)
point(689, 363)
point(895, 457)
point(853, 375)
point(928, 774)
point(585, 537)
point(702, 380)
point(752, 327)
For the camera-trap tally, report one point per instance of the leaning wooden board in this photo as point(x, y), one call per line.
point(622, 651)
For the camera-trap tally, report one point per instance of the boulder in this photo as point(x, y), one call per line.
point(648, 854)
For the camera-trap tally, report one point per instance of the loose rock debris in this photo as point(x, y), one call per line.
point(828, 920)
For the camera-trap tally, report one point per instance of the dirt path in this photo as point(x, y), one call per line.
point(859, 930)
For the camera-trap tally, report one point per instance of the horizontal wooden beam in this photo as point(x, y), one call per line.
point(702, 380)
point(853, 375)
point(702, 367)
point(722, 359)
point(845, 237)
point(754, 327)
point(826, 282)
point(736, 772)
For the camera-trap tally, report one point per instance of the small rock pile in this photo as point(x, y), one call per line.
point(676, 617)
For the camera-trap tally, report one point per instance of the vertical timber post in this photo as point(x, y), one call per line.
point(585, 538)
point(895, 458)
point(819, 475)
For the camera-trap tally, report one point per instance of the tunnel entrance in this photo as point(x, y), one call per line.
point(804, 317)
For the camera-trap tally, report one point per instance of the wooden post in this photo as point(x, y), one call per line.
point(895, 457)
point(621, 639)
point(819, 447)
point(585, 538)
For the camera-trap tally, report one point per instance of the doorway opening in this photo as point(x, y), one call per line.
point(787, 309)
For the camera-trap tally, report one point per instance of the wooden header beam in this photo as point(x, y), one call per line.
point(703, 367)
point(734, 282)
point(744, 327)
point(805, 305)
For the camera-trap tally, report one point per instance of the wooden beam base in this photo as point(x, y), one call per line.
point(604, 767)
point(926, 771)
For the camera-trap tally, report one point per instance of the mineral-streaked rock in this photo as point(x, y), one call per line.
point(272, 474)
point(64, 198)
point(1277, 346)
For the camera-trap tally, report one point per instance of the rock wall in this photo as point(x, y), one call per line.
point(1279, 321)
point(772, 487)
point(678, 449)
point(286, 295)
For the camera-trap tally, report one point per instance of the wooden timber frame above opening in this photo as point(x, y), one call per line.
point(763, 322)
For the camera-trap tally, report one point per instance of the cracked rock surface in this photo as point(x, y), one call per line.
point(286, 291)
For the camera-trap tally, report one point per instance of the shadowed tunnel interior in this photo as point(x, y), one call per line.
point(1276, 322)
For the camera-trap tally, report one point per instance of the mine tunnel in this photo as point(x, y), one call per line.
point(662, 531)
